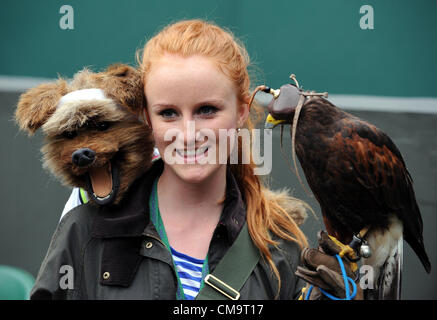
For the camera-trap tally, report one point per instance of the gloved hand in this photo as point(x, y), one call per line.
point(322, 270)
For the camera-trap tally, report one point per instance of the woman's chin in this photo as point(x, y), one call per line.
point(195, 173)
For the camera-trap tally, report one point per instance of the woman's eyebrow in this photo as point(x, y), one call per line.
point(210, 101)
point(218, 102)
point(165, 105)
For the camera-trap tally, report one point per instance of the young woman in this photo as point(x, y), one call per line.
point(196, 72)
point(178, 220)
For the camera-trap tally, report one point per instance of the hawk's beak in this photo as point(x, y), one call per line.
point(272, 122)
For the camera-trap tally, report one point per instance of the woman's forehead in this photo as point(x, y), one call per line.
point(195, 76)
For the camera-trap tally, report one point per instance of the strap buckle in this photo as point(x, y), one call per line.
point(222, 287)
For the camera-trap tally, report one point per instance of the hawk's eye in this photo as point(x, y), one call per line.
point(102, 126)
point(69, 134)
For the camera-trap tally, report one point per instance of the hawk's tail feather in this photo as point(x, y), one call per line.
point(390, 280)
point(419, 248)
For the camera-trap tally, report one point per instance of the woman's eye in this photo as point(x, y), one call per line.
point(69, 134)
point(167, 113)
point(102, 126)
point(207, 110)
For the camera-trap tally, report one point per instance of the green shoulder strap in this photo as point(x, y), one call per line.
point(232, 271)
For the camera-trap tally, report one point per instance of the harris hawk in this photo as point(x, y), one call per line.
point(358, 177)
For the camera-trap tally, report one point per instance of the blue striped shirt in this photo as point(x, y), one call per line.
point(190, 273)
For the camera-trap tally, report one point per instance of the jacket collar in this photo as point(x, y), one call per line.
point(131, 216)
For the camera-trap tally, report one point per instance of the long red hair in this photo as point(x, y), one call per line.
point(265, 213)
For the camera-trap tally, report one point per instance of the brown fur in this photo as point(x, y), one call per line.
point(296, 208)
point(37, 105)
point(127, 142)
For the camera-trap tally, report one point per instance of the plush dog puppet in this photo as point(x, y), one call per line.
point(94, 138)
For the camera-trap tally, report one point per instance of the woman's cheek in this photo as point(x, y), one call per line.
point(159, 136)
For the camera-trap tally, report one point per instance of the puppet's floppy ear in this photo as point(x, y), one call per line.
point(37, 104)
point(120, 70)
point(123, 83)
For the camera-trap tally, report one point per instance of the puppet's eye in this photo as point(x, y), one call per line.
point(69, 134)
point(102, 126)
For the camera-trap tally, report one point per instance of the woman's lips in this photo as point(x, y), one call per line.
point(192, 155)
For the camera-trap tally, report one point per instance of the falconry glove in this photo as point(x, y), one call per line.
point(322, 270)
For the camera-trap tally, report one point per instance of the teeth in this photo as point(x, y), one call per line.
point(103, 198)
point(191, 153)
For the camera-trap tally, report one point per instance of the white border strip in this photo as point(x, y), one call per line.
point(19, 84)
point(385, 104)
point(426, 105)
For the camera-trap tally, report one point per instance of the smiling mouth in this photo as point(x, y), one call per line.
point(191, 155)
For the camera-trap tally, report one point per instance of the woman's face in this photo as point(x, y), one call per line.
point(188, 101)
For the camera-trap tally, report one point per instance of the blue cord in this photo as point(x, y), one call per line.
point(309, 292)
point(346, 280)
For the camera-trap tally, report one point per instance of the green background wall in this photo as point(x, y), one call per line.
point(320, 41)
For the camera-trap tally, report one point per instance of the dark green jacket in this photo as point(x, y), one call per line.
point(116, 253)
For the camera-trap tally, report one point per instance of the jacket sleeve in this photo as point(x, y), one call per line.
point(292, 285)
point(61, 268)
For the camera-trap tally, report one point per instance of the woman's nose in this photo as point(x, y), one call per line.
point(189, 133)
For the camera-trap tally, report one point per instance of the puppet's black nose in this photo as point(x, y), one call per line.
point(83, 157)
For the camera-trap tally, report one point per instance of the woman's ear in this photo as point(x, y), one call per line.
point(243, 114)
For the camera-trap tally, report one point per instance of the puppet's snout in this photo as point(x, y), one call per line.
point(83, 157)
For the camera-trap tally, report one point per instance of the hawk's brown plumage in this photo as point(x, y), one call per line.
point(355, 171)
